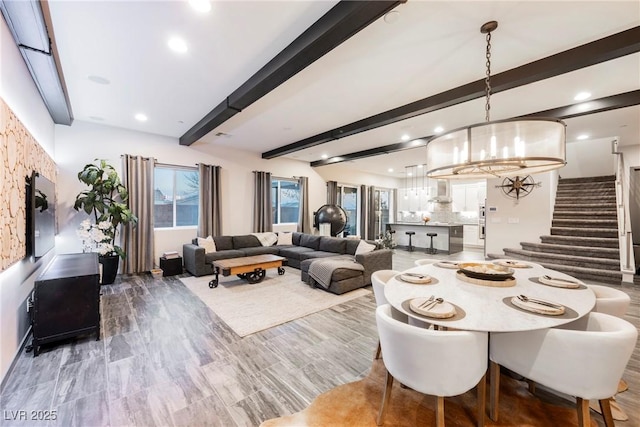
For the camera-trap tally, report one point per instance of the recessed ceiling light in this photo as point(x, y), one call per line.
point(141, 117)
point(324, 156)
point(405, 137)
point(390, 170)
point(419, 166)
point(582, 136)
point(391, 17)
point(581, 96)
point(99, 80)
point(410, 174)
point(202, 6)
point(438, 129)
point(177, 44)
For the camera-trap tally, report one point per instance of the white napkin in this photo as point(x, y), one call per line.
point(448, 264)
point(423, 278)
point(441, 310)
point(560, 283)
point(512, 263)
point(535, 307)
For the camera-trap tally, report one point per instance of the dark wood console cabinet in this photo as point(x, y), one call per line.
point(66, 299)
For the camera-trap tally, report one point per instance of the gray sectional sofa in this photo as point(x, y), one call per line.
point(305, 247)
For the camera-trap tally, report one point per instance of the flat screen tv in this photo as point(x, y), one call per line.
point(41, 216)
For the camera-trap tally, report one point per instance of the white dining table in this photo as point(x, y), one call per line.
point(486, 308)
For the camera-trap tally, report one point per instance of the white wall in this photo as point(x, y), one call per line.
point(524, 220)
point(20, 93)
point(589, 158)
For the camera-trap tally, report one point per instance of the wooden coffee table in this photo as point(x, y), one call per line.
point(251, 268)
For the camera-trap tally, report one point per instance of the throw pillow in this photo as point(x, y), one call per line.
point(208, 244)
point(285, 239)
point(364, 247)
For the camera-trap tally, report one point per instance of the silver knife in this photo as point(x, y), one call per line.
point(559, 279)
point(537, 301)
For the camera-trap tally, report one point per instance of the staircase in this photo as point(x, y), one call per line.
point(584, 232)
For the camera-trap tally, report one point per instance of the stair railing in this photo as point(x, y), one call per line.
point(627, 262)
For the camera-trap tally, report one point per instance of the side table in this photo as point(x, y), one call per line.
point(171, 266)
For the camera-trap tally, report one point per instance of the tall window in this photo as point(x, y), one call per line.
point(348, 199)
point(176, 196)
point(285, 200)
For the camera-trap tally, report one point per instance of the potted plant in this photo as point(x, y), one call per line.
point(106, 200)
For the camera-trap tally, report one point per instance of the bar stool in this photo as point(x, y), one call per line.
point(431, 249)
point(410, 233)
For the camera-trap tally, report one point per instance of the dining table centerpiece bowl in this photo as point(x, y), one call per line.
point(485, 271)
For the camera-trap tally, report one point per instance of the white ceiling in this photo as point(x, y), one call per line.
point(432, 47)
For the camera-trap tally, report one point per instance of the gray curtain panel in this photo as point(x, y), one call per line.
point(209, 215)
point(394, 206)
point(371, 214)
point(363, 211)
point(304, 225)
point(262, 214)
point(332, 192)
point(137, 242)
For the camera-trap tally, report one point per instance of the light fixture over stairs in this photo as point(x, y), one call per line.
point(583, 240)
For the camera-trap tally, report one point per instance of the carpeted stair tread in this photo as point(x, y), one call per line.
point(599, 214)
point(605, 276)
point(585, 206)
point(583, 251)
point(576, 261)
point(604, 178)
point(580, 200)
point(583, 223)
point(586, 232)
point(585, 190)
point(581, 241)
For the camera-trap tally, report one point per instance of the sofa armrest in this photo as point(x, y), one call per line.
point(380, 259)
point(194, 260)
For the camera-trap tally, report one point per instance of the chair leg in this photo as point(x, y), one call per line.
point(532, 386)
point(378, 351)
point(494, 390)
point(605, 408)
point(385, 398)
point(482, 399)
point(584, 418)
point(439, 411)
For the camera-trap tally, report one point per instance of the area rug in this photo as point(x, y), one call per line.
point(356, 404)
point(249, 308)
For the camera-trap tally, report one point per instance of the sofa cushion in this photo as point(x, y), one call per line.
point(296, 238)
point(261, 250)
point(215, 256)
point(223, 243)
point(285, 239)
point(207, 243)
point(364, 247)
point(351, 245)
point(310, 241)
point(317, 254)
point(293, 252)
point(245, 241)
point(337, 245)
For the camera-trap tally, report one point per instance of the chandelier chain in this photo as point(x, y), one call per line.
point(487, 79)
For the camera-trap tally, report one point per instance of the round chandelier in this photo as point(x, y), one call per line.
point(501, 148)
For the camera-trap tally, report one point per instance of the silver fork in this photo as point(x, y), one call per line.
point(537, 301)
point(430, 299)
point(433, 303)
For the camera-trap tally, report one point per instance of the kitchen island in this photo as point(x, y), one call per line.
point(449, 238)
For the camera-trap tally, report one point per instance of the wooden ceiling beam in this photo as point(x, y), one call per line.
point(343, 21)
point(602, 50)
point(621, 100)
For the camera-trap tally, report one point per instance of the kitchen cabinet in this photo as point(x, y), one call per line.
point(471, 237)
point(467, 197)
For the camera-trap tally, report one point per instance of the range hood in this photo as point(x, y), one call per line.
point(443, 192)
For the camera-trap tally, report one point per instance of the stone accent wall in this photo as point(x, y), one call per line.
point(20, 154)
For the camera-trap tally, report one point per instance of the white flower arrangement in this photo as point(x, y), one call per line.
point(97, 237)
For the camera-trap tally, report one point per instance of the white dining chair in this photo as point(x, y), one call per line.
point(584, 358)
point(425, 261)
point(434, 362)
point(610, 301)
point(378, 280)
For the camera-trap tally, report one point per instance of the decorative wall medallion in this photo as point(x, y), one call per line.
point(518, 187)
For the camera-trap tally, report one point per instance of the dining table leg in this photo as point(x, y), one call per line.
point(494, 390)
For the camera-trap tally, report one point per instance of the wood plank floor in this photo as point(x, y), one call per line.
point(165, 359)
